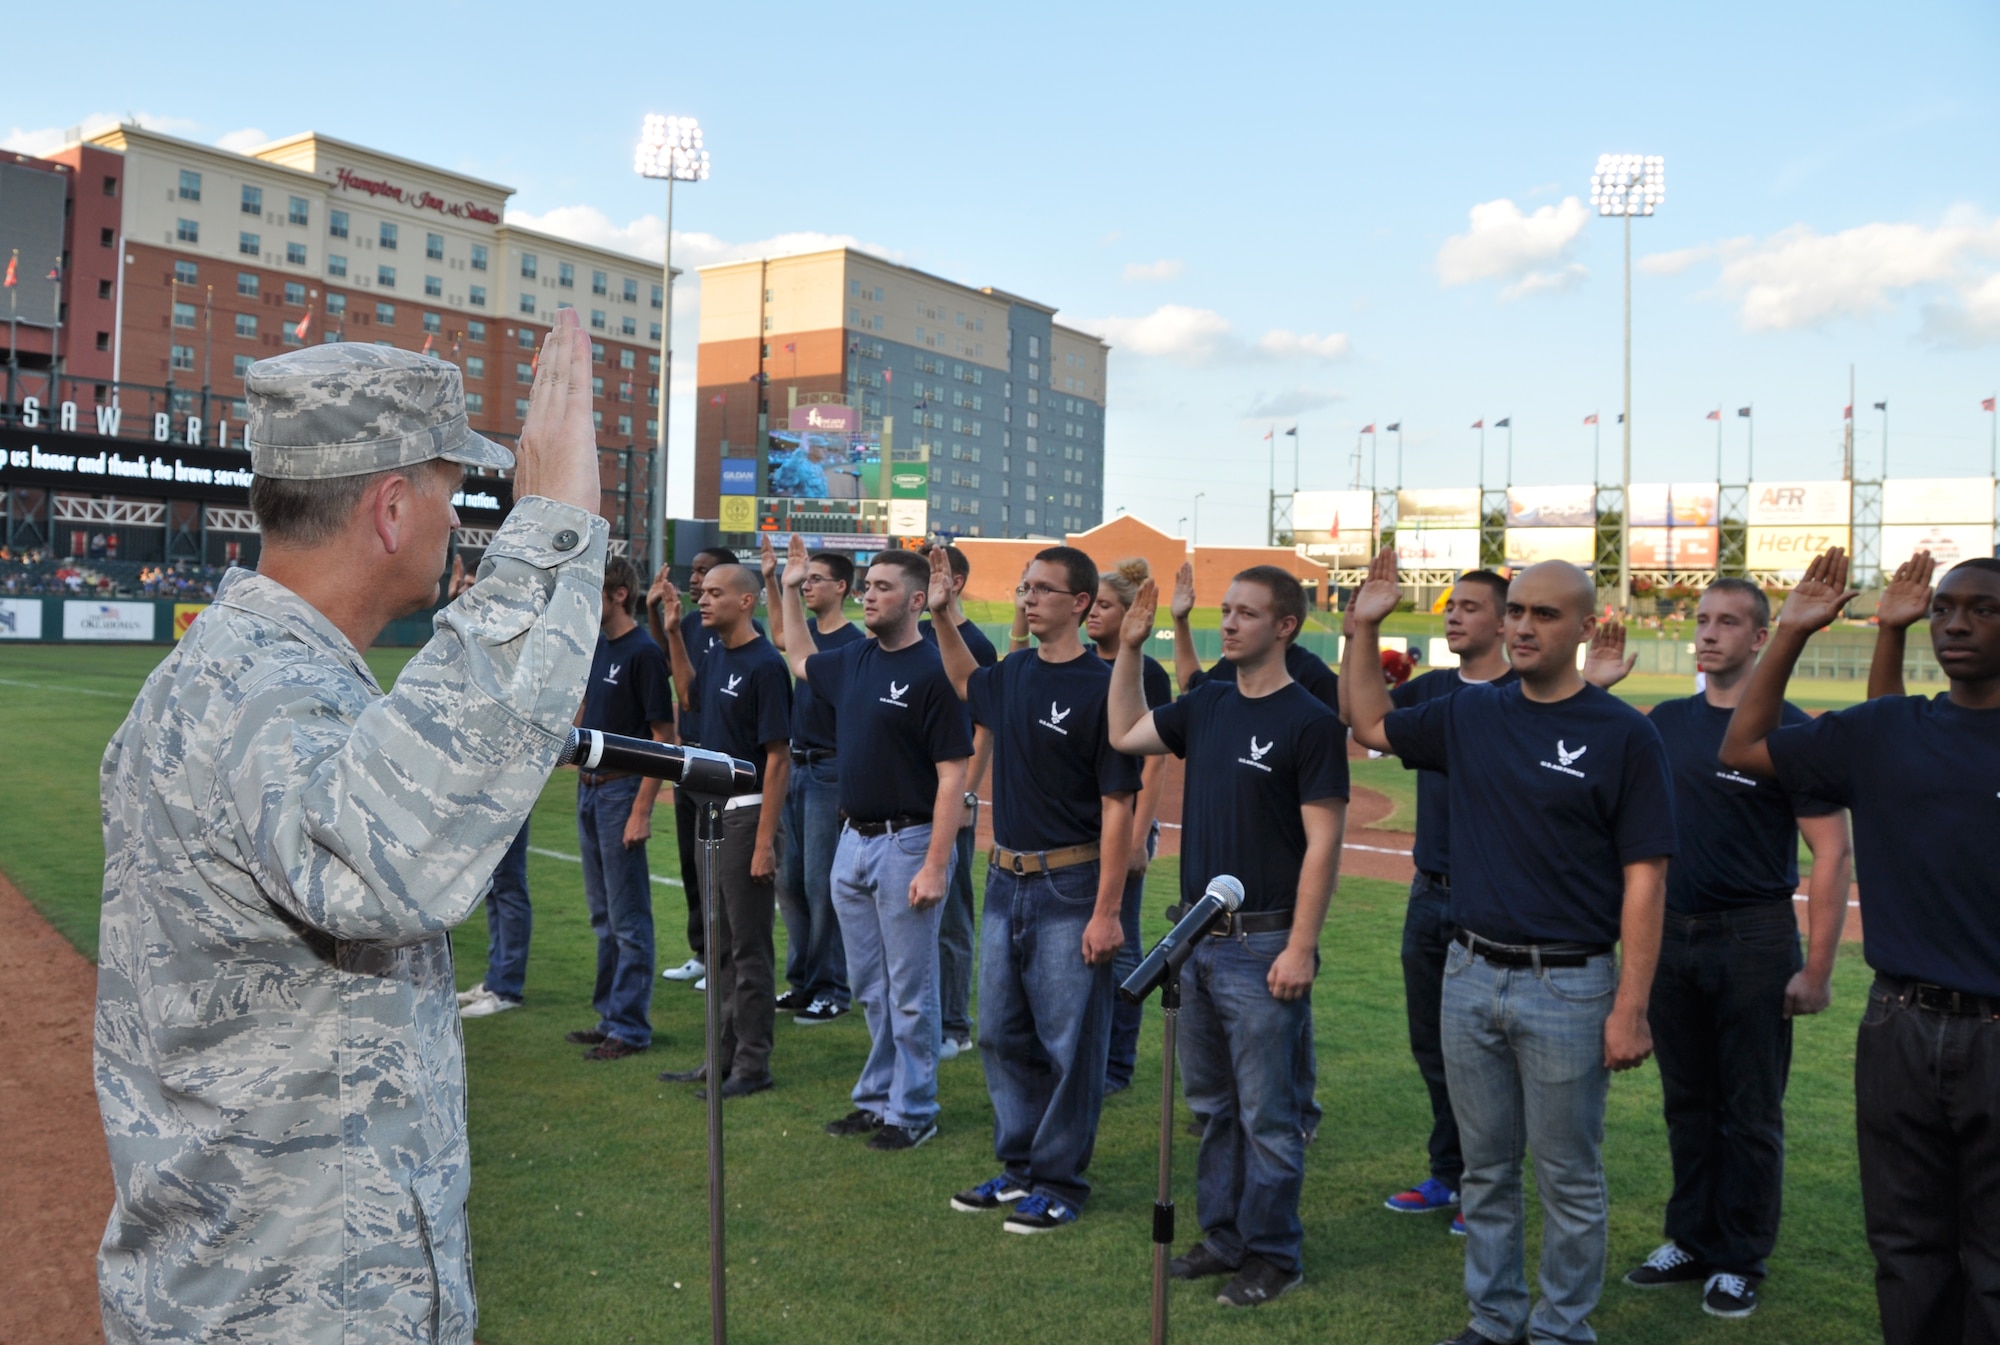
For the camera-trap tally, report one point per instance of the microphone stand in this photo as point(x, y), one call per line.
point(708, 828)
point(1163, 1201)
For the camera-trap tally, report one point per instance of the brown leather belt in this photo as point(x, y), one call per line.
point(596, 778)
point(1042, 861)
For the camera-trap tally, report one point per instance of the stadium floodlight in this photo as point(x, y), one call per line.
point(1624, 186)
point(669, 149)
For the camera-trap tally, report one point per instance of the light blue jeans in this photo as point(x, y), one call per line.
point(1524, 1059)
point(892, 968)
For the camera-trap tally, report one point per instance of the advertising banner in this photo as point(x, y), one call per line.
point(1944, 499)
point(184, 615)
point(1532, 546)
point(1781, 503)
point(1551, 507)
point(20, 618)
point(1680, 505)
point(739, 476)
point(1790, 550)
point(1332, 511)
point(1674, 548)
point(737, 513)
point(909, 518)
point(1437, 548)
point(88, 619)
point(1453, 508)
point(838, 420)
point(1948, 543)
point(909, 481)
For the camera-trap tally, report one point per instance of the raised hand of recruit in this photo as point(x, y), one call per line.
point(1138, 625)
point(767, 559)
point(1821, 596)
point(940, 589)
point(1907, 598)
point(557, 454)
point(663, 594)
point(1380, 593)
point(1183, 599)
point(1607, 664)
point(795, 560)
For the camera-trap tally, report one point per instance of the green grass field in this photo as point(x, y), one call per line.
point(588, 1194)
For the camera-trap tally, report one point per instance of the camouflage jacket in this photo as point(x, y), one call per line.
point(278, 1056)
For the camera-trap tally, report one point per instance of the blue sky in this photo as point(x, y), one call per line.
point(1320, 215)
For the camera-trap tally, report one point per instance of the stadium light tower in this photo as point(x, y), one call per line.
point(1627, 185)
point(669, 148)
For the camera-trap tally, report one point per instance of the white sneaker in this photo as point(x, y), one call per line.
point(702, 984)
point(951, 1048)
point(477, 992)
point(686, 971)
point(487, 1006)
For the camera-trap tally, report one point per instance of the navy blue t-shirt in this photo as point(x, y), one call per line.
point(699, 640)
point(898, 716)
point(1251, 761)
point(1052, 755)
point(983, 652)
point(1432, 852)
point(1549, 802)
point(1159, 687)
point(1308, 669)
point(630, 688)
point(1919, 776)
point(1739, 836)
point(748, 701)
point(812, 716)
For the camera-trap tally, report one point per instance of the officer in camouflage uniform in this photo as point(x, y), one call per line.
point(278, 1057)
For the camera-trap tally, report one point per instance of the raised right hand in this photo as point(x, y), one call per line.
point(557, 454)
point(662, 591)
point(1182, 602)
point(767, 559)
point(1907, 598)
point(795, 560)
point(1138, 625)
point(1377, 598)
point(940, 589)
point(1819, 597)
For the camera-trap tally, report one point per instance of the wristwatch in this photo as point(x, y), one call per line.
point(971, 799)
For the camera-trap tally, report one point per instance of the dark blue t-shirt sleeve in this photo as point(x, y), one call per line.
point(1816, 760)
point(1116, 772)
point(1323, 683)
point(774, 702)
point(1159, 687)
point(982, 696)
point(827, 673)
point(1404, 696)
point(1322, 760)
point(1645, 825)
point(947, 731)
point(1171, 723)
point(654, 684)
point(1421, 734)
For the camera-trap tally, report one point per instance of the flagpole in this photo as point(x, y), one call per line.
point(1271, 502)
point(207, 347)
point(1399, 461)
point(55, 341)
point(1750, 451)
point(1596, 451)
point(1718, 443)
point(1510, 449)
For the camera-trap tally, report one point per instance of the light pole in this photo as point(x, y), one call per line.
point(1883, 407)
point(1196, 539)
point(669, 148)
point(1397, 430)
point(1627, 185)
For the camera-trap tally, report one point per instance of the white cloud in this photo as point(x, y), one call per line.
point(47, 139)
point(1529, 251)
point(242, 141)
point(1973, 321)
point(1108, 239)
point(1285, 345)
point(1163, 269)
point(1799, 278)
point(1203, 336)
point(1292, 402)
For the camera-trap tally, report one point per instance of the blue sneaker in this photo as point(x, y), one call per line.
point(1458, 1224)
point(1038, 1214)
point(1432, 1195)
point(989, 1195)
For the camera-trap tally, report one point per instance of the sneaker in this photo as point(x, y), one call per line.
point(894, 1138)
point(1426, 1197)
point(1039, 1214)
point(686, 971)
point(989, 1195)
point(476, 992)
point(695, 1075)
point(1196, 1126)
point(819, 1011)
point(487, 1005)
point(702, 984)
point(1458, 1224)
point(1258, 1282)
point(1114, 1086)
point(588, 1037)
point(951, 1048)
point(1667, 1265)
point(1728, 1295)
point(612, 1049)
point(732, 1086)
point(1472, 1337)
point(792, 1001)
point(1198, 1263)
point(856, 1122)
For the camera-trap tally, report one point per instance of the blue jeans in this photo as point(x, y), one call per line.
point(1427, 931)
point(955, 952)
point(1239, 1048)
point(509, 922)
point(1127, 1018)
point(1524, 1055)
point(808, 835)
point(619, 892)
point(1044, 1026)
point(892, 965)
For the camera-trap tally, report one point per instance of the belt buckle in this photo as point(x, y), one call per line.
point(1020, 866)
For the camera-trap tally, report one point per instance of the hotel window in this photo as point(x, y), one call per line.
point(184, 315)
point(599, 283)
point(476, 295)
point(625, 426)
point(387, 237)
point(1034, 349)
point(336, 265)
point(653, 365)
point(104, 289)
point(253, 201)
point(183, 357)
point(529, 265)
point(336, 223)
point(475, 331)
point(432, 325)
point(854, 288)
point(625, 360)
point(524, 373)
point(631, 291)
point(241, 364)
point(246, 326)
point(296, 211)
point(597, 319)
point(653, 429)
point(250, 245)
point(628, 326)
point(385, 314)
point(654, 330)
point(184, 272)
point(566, 275)
point(479, 256)
point(247, 284)
point(1033, 420)
point(525, 339)
point(657, 296)
point(597, 421)
point(597, 386)
point(878, 294)
point(475, 367)
point(597, 352)
point(475, 403)
point(190, 185)
point(434, 287)
point(295, 254)
point(295, 293)
point(385, 276)
point(520, 408)
point(434, 247)
point(336, 305)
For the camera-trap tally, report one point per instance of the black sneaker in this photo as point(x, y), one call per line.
point(1039, 1214)
point(990, 1194)
point(819, 1011)
point(1198, 1263)
point(611, 1048)
point(894, 1139)
point(733, 1086)
point(1196, 1126)
point(590, 1037)
point(1728, 1295)
point(1258, 1282)
point(1472, 1337)
point(856, 1122)
point(695, 1075)
point(793, 1000)
point(1667, 1265)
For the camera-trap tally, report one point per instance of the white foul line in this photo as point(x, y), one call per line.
point(578, 859)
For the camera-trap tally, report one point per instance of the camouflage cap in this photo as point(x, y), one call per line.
point(346, 409)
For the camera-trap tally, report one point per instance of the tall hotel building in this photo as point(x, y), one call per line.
point(156, 270)
point(859, 401)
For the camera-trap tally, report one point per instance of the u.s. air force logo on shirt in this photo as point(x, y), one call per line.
point(1735, 778)
point(1566, 759)
point(1258, 751)
point(611, 674)
point(1056, 717)
point(735, 680)
point(896, 694)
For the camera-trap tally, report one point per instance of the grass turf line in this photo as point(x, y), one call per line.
point(830, 1241)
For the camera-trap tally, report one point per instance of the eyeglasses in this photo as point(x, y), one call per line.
point(817, 579)
point(1041, 591)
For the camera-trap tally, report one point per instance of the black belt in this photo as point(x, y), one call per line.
point(1558, 954)
point(808, 755)
point(1942, 999)
point(1441, 881)
point(887, 826)
point(1233, 923)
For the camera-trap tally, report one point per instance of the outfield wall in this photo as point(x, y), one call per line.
point(65, 620)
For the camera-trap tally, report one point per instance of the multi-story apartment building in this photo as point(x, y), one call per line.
point(945, 409)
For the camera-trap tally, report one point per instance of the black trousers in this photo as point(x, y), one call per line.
point(684, 836)
point(1725, 1052)
point(1927, 1116)
point(745, 965)
point(1427, 933)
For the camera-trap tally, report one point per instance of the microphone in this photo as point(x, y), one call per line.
point(694, 769)
point(1223, 896)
